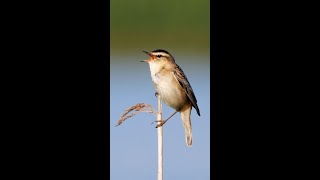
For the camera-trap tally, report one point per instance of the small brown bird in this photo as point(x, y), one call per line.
point(173, 87)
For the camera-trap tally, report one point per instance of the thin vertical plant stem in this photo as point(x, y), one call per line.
point(160, 140)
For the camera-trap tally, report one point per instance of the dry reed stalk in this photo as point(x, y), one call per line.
point(141, 107)
point(160, 140)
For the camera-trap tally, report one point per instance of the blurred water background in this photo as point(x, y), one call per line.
point(183, 29)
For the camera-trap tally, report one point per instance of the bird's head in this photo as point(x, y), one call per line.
point(158, 56)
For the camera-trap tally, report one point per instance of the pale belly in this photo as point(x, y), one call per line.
point(170, 91)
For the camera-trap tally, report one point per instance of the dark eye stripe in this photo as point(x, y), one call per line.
point(159, 56)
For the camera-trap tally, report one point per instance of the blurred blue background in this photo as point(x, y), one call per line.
point(182, 28)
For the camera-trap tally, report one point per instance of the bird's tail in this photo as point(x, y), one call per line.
point(186, 120)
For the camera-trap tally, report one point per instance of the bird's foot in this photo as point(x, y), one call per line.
point(156, 121)
point(161, 123)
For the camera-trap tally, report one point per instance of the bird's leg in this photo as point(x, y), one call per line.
point(162, 123)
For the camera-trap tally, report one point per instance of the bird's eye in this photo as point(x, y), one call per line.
point(159, 56)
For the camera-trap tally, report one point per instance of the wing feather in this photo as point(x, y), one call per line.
point(183, 81)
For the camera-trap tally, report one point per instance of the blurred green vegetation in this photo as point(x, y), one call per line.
point(149, 24)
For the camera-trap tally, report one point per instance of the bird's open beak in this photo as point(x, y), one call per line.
point(151, 57)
